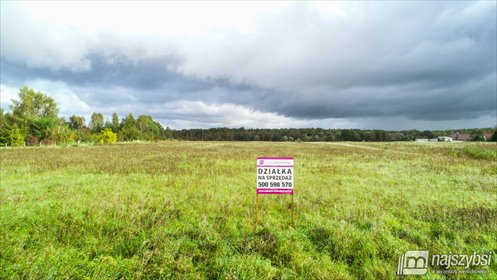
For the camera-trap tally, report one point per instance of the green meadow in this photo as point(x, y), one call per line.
point(186, 210)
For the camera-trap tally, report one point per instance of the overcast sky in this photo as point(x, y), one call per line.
point(386, 65)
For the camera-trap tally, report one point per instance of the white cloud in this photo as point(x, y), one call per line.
point(6, 95)
point(195, 114)
point(38, 44)
point(152, 17)
point(220, 114)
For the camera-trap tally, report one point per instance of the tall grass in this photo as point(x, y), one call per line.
point(185, 210)
point(480, 152)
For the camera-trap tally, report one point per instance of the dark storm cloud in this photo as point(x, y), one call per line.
point(145, 81)
point(146, 74)
point(459, 100)
point(444, 68)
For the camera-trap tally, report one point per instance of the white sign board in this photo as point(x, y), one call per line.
point(274, 175)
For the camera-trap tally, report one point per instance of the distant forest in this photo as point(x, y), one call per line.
point(320, 134)
point(34, 120)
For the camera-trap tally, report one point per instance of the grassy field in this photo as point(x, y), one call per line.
point(185, 210)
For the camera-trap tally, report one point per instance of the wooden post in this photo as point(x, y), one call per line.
point(293, 221)
point(256, 211)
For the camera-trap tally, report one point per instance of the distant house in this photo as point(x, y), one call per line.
point(421, 140)
point(460, 137)
point(488, 135)
point(444, 139)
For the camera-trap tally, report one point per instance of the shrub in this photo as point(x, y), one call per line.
point(107, 136)
point(16, 137)
point(47, 142)
point(32, 140)
point(61, 134)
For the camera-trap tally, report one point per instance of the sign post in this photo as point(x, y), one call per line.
point(274, 176)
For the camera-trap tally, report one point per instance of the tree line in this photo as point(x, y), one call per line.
point(34, 120)
point(320, 134)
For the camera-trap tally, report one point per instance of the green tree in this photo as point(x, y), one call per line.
point(107, 136)
point(40, 127)
point(76, 122)
point(115, 122)
point(427, 134)
point(477, 135)
point(96, 122)
point(350, 135)
point(3, 119)
point(16, 136)
point(143, 123)
point(148, 127)
point(4, 127)
point(129, 130)
point(129, 121)
point(33, 104)
point(61, 134)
